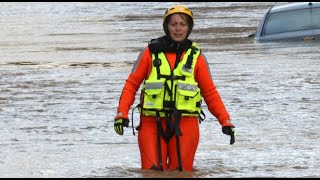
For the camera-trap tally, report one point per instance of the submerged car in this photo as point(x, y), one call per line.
point(298, 21)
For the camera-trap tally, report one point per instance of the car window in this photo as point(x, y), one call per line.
point(294, 20)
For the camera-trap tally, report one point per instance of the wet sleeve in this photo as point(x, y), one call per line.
point(137, 75)
point(209, 92)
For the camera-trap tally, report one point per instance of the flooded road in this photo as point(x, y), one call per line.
point(63, 66)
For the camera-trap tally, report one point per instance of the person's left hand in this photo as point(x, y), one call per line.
point(228, 130)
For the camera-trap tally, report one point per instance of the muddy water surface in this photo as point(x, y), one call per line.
point(63, 66)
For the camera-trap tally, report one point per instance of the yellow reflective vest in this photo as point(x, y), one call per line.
point(165, 89)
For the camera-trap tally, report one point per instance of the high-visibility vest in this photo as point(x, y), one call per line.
point(165, 89)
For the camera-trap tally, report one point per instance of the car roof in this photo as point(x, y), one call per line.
point(293, 6)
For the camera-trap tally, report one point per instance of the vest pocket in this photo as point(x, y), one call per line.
point(187, 96)
point(153, 95)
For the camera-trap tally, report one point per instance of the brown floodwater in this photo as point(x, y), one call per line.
point(63, 66)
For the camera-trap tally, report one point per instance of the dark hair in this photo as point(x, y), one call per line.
point(187, 18)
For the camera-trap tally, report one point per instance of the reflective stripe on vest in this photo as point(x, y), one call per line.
point(177, 88)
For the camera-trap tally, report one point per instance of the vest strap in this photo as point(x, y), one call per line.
point(157, 64)
point(159, 130)
point(177, 117)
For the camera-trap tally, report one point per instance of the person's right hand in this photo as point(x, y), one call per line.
point(119, 123)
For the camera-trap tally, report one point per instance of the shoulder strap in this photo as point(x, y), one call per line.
point(188, 64)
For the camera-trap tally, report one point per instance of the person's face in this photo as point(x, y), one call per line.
point(178, 27)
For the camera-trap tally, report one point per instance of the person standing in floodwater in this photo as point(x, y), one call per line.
point(176, 77)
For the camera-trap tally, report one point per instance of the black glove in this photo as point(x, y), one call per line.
point(119, 123)
point(228, 130)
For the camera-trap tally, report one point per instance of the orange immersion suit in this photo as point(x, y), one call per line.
point(189, 125)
